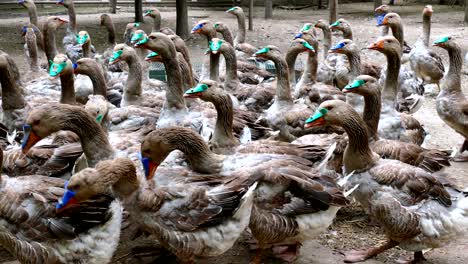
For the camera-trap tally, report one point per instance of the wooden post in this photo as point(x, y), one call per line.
point(268, 9)
point(251, 7)
point(333, 6)
point(113, 6)
point(377, 3)
point(182, 19)
point(138, 10)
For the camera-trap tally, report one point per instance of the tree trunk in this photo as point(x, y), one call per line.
point(182, 28)
point(268, 9)
point(377, 3)
point(113, 6)
point(466, 12)
point(333, 5)
point(138, 10)
point(251, 7)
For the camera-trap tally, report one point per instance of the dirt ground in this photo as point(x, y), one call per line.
point(351, 229)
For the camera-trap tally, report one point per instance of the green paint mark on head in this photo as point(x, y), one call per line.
point(442, 40)
point(306, 27)
point(116, 55)
point(307, 45)
point(263, 50)
point(337, 23)
point(57, 68)
point(215, 45)
point(355, 84)
point(136, 37)
point(200, 88)
point(317, 115)
point(81, 39)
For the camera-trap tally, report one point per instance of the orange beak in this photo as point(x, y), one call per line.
point(315, 123)
point(29, 140)
point(63, 20)
point(385, 21)
point(376, 45)
point(152, 166)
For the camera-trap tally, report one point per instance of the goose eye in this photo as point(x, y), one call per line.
point(37, 122)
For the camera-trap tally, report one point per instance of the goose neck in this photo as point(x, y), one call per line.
point(453, 77)
point(32, 12)
point(397, 30)
point(175, 90)
point(49, 42)
point(390, 89)
point(121, 175)
point(87, 49)
point(354, 59)
point(96, 75)
point(67, 95)
point(358, 155)
point(347, 33)
point(240, 37)
point(110, 32)
point(32, 51)
point(291, 57)
point(227, 36)
point(223, 132)
point(371, 113)
point(12, 97)
point(135, 76)
point(283, 89)
point(72, 17)
point(426, 29)
point(94, 142)
point(156, 23)
point(231, 66)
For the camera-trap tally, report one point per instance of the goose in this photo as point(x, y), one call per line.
point(407, 202)
point(253, 97)
point(394, 125)
point(451, 103)
point(189, 221)
point(31, 49)
point(89, 232)
point(239, 40)
point(34, 20)
point(84, 40)
point(344, 26)
point(431, 160)
point(426, 64)
point(380, 13)
point(307, 87)
point(106, 21)
point(357, 67)
point(154, 14)
point(210, 68)
point(50, 27)
point(277, 174)
point(284, 114)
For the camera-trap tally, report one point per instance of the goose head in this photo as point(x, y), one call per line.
point(322, 24)
point(137, 36)
point(341, 25)
point(383, 9)
point(390, 19)
point(85, 65)
point(159, 42)
point(330, 112)
point(345, 46)
point(83, 37)
point(386, 45)
point(427, 11)
point(203, 27)
point(45, 120)
point(119, 174)
point(65, 3)
point(235, 10)
point(204, 90)
point(309, 37)
point(301, 45)
point(269, 52)
point(445, 42)
point(153, 57)
point(105, 19)
point(217, 45)
point(220, 27)
point(97, 106)
point(26, 3)
point(54, 22)
point(362, 85)
point(154, 150)
point(121, 52)
point(152, 12)
point(61, 65)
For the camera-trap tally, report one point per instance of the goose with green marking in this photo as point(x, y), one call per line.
point(407, 202)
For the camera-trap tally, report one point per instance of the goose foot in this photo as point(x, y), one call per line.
point(418, 258)
point(354, 256)
point(288, 253)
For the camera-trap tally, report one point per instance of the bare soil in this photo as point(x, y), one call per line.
point(351, 229)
